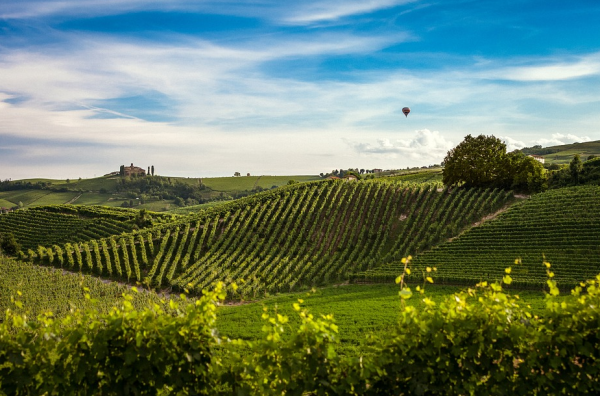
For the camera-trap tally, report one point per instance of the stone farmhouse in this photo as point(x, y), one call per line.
point(134, 170)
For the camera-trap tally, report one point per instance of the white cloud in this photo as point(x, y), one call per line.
point(552, 70)
point(319, 11)
point(424, 146)
point(558, 139)
point(512, 144)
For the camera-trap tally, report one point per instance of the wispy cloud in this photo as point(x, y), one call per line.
point(319, 11)
point(552, 70)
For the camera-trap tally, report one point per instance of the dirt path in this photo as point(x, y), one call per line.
point(74, 199)
point(483, 220)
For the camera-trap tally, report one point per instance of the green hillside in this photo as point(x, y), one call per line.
point(49, 225)
point(156, 193)
point(301, 235)
point(560, 226)
point(563, 154)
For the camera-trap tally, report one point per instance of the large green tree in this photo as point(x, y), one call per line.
point(483, 162)
point(476, 162)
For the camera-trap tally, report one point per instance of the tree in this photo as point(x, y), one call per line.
point(122, 170)
point(9, 245)
point(575, 167)
point(528, 174)
point(152, 170)
point(483, 162)
point(476, 162)
point(148, 171)
point(237, 174)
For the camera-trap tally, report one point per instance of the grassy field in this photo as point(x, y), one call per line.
point(419, 176)
point(229, 184)
point(359, 310)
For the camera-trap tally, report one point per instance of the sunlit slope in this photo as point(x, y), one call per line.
point(57, 224)
point(300, 235)
point(561, 225)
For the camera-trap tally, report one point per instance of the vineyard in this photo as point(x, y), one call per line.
point(45, 289)
point(561, 227)
point(301, 235)
point(49, 225)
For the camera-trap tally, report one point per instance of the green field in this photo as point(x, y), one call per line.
point(358, 310)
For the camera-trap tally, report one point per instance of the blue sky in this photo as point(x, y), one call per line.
point(209, 88)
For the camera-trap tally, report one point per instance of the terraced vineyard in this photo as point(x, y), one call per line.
point(48, 225)
point(279, 240)
point(561, 225)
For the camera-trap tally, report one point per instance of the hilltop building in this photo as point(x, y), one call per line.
point(133, 170)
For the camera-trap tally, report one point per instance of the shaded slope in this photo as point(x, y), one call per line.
point(48, 225)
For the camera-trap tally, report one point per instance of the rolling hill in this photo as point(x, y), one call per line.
point(297, 236)
point(113, 191)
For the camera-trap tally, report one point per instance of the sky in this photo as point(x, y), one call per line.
point(211, 87)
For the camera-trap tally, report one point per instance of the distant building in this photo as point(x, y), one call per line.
point(350, 178)
point(134, 170)
point(333, 178)
point(537, 158)
point(377, 170)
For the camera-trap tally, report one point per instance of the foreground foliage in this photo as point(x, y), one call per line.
point(479, 341)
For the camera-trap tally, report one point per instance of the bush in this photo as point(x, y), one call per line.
point(9, 245)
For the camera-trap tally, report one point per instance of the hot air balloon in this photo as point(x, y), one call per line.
point(406, 110)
